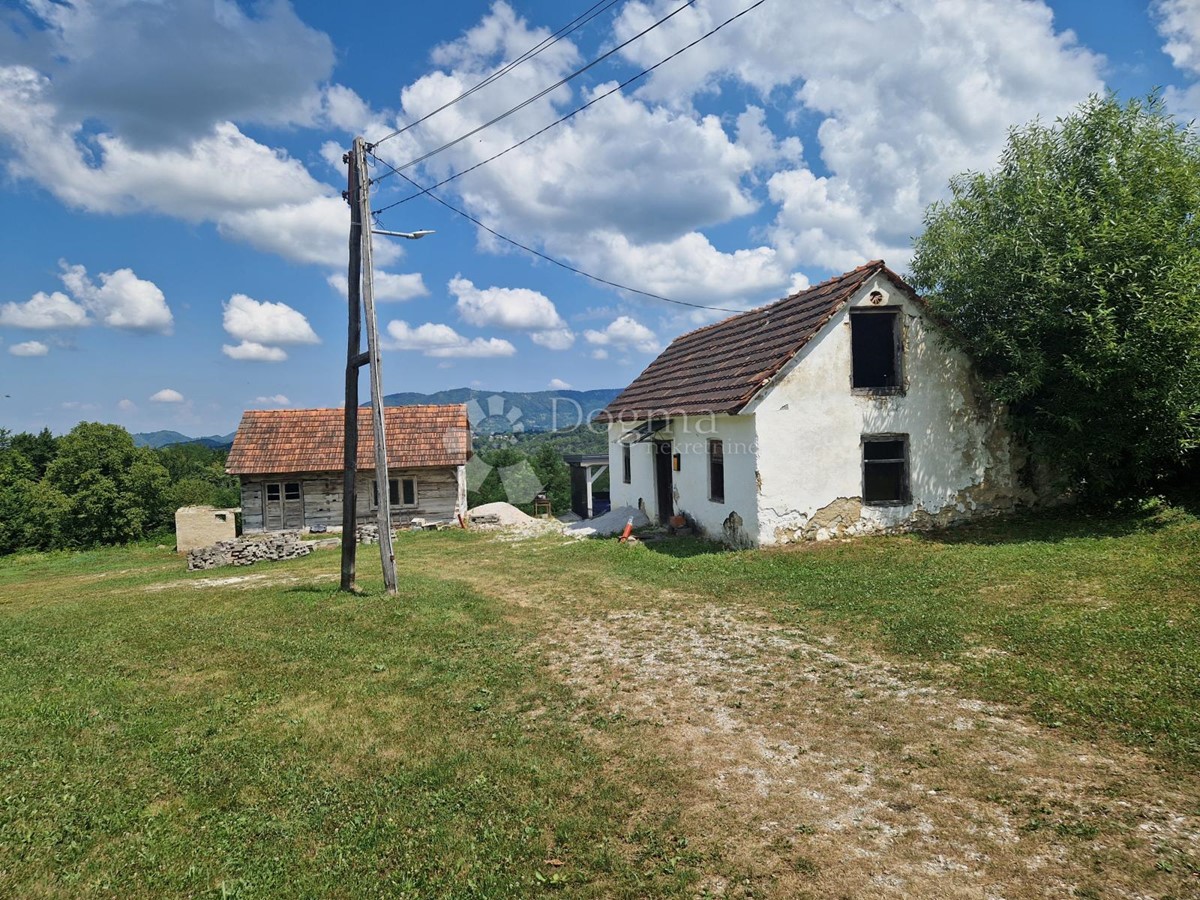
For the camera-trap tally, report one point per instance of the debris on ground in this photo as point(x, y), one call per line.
point(612, 522)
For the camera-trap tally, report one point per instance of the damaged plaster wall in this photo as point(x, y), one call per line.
point(809, 428)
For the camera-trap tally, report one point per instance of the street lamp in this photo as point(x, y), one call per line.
point(408, 235)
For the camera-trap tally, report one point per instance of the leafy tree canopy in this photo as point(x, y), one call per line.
point(1071, 276)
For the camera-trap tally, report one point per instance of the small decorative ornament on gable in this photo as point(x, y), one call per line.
point(876, 297)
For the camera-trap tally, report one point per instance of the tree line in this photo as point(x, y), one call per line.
point(94, 487)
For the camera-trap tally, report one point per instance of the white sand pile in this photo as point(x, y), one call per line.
point(612, 522)
point(497, 515)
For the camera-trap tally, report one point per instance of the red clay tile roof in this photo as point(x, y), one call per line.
point(719, 368)
point(273, 441)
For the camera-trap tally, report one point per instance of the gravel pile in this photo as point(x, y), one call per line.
point(497, 515)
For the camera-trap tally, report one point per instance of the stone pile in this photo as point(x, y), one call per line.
point(246, 551)
point(367, 534)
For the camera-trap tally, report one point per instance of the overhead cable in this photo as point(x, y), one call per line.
point(547, 42)
point(539, 95)
point(572, 113)
point(550, 259)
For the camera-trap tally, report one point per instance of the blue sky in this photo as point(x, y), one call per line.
point(174, 239)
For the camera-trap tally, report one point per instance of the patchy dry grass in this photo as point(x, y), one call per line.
point(1006, 711)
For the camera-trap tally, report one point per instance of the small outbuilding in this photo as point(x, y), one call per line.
point(836, 411)
point(290, 464)
point(203, 526)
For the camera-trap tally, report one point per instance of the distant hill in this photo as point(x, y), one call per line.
point(157, 439)
point(495, 412)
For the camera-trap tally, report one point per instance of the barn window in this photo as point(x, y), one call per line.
point(291, 490)
point(885, 469)
point(408, 491)
point(626, 468)
point(273, 492)
point(716, 471)
point(875, 349)
point(401, 492)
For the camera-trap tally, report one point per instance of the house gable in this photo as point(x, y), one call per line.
point(722, 367)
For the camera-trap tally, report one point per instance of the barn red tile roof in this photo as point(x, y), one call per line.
point(273, 441)
point(719, 368)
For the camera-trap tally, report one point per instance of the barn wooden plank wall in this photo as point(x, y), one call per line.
point(321, 495)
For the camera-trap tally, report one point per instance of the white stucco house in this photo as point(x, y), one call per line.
point(835, 411)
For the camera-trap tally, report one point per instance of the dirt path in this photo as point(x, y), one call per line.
point(829, 775)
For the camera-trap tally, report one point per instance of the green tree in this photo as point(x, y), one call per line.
point(555, 477)
point(39, 449)
point(31, 512)
point(115, 491)
point(1071, 276)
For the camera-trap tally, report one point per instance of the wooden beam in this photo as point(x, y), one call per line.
point(368, 299)
point(353, 351)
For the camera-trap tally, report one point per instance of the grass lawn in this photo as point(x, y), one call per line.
point(534, 717)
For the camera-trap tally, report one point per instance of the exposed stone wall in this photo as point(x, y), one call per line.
point(246, 551)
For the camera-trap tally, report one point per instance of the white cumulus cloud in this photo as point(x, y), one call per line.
point(443, 341)
point(624, 332)
point(251, 351)
point(515, 309)
point(126, 405)
point(557, 384)
point(264, 322)
point(274, 399)
point(167, 395)
point(121, 300)
point(44, 311)
point(29, 348)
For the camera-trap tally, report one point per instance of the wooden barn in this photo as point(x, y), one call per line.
point(289, 462)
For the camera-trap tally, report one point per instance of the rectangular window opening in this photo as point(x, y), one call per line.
point(875, 348)
point(716, 471)
point(272, 492)
point(626, 468)
point(291, 490)
point(885, 470)
point(408, 491)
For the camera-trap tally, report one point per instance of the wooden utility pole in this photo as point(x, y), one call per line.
point(353, 362)
point(368, 300)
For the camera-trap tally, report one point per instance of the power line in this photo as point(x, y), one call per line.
point(572, 113)
point(539, 95)
point(575, 24)
point(550, 259)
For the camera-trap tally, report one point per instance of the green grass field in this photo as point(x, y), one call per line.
point(163, 733)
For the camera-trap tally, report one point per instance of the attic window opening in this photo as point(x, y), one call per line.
point(885, 469)
point(875, 349)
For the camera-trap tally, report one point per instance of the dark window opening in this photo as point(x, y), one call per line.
point(716, 471)
point(291, 490)
point(626, 469)
point(875, 343)
point(272, 492)
point(408, 491)
point(885, 470)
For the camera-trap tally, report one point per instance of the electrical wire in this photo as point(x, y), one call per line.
point(547, 42)
point(540, 94)
point(550, 259)
point(572, 113)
